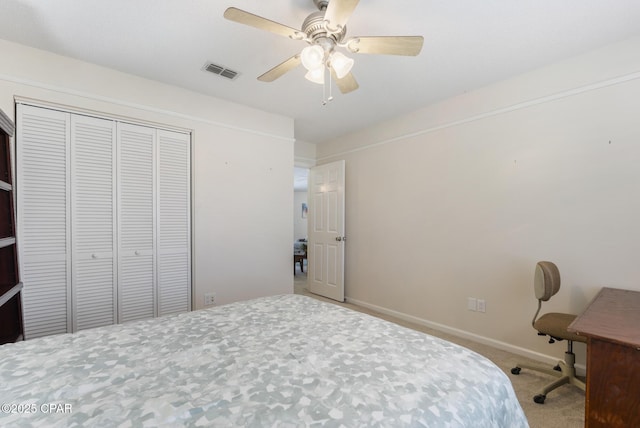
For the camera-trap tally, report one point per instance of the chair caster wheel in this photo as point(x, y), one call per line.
point(515, 370)
point(539, 398)
point(557, 368)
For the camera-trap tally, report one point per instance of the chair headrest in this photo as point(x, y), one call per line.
point(546, 280)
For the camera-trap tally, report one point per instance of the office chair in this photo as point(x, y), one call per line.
point(546, 283)
point(299, 255)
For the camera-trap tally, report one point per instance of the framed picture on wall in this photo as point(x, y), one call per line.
point(305, 210)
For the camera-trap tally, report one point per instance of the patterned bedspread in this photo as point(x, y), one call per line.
point(282, 361)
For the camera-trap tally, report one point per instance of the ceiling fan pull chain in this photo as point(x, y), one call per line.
point(324, 87)
point(325, 100)
point(330, 85)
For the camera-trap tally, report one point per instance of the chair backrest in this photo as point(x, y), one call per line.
point(300, 248)
point(546, 280)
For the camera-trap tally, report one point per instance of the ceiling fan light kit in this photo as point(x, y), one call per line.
point(315, 75)
point(340, 63)
point(312, 57)
point(324, 31)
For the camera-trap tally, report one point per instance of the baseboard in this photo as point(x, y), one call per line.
point(537, 356)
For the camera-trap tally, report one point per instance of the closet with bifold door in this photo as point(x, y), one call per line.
point(104, 217)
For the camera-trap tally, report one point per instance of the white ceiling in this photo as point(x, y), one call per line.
point(468, 44)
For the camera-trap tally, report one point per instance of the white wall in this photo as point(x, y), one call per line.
point(462, 198)
point(299, 223)
point(242, 164)
point(304, 157)
point(305, 154)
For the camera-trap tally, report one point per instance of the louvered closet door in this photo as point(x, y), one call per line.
point(174, 259)
point(93, 218)
point(136, 195)
point(104, 221)
point(43, 216)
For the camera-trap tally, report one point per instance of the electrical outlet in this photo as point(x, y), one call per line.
point(472, 304)
point(210, 299)
point(482, 305)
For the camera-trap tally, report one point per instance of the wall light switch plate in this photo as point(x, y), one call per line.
point(472, 304)
point(482, 305)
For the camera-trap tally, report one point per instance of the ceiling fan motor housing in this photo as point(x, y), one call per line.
point(314, 27)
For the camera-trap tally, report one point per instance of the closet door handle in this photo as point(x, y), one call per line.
point(94, 256)
point(136, 252)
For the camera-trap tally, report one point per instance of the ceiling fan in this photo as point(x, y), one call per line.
point(325, 31)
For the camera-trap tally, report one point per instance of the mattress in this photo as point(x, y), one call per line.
point(280, 361)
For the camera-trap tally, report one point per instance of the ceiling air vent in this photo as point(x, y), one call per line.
point(220, 70)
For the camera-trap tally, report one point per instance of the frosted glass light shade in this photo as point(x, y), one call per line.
point(341, 64)
point(316, 75)
point(312, 57)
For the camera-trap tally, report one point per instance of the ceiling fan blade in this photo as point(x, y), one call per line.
point(281, 69)
point(386, 45)
point(338, 13)
point(346, 84)
point(243, 17)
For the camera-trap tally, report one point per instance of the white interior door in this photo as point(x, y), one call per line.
point(326, 231)
point(174, 223)
point(43, 219)
point(136, 263)
point(93, 219)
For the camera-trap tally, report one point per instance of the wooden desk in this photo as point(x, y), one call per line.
point(611, 324)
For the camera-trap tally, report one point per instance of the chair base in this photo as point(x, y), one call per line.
point(565, 372)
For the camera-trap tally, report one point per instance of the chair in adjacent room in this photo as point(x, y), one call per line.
point(546, 284)
point(299, 255)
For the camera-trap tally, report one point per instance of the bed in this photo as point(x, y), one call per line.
point(281, 361)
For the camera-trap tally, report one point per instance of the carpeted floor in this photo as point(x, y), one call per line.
point(563, 408)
